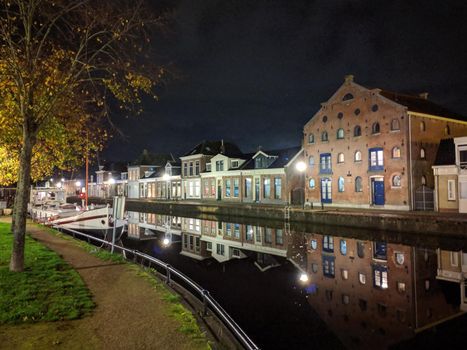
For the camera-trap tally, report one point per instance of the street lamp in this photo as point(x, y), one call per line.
point(304, 277)
point(300, 166)
point(78, 184)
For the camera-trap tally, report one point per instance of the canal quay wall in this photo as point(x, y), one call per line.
point(449, 224)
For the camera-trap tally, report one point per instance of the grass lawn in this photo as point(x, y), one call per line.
point(48, 290)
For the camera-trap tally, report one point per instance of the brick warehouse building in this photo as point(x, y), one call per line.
point(374, 148)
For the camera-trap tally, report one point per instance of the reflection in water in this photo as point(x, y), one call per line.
point(368, 293)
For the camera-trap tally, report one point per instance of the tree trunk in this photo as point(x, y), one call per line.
point(22, 199)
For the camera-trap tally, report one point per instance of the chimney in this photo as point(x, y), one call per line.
point(348, 78)
point(423, 95)
point(222, 147)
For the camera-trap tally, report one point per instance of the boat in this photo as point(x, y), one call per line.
point(46, 202)
point(95, 220)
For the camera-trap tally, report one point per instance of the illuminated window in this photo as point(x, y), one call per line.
point(313, 244)
point(311, 138)
point(396, 152)
point(361, 278)
point(422, 153)
point(340, 184)
point(345, 274)
point(340, 133)
point(423, 180)
point(311, 183)
point(340, 158)
point(422, 126)
point(376, 159)
point(328, 243)
point(401, 287)
point(380, 276)
point(358, 156)
point(396, 181)
point(343, 246)
point(451, 190)
point(357, 131)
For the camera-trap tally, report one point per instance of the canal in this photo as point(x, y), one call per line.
point(301, 287)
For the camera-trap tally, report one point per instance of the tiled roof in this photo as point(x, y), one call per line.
point(215, 147)
point(446, 154)
point(283, 155)
point(421, 105)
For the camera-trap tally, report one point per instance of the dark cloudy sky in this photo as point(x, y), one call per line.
point(254, 72)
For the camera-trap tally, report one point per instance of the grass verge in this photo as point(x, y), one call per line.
point(48, 289)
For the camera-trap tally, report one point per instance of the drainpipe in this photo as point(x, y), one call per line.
point(410, 163)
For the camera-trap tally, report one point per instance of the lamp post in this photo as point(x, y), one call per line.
point(300, 167)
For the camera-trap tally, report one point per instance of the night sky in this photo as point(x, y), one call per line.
point(254, 72)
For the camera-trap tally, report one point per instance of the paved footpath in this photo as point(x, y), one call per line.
point(129, 313)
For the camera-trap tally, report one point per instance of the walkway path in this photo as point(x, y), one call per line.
point(130, 313)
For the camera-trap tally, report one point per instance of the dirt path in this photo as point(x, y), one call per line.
point(129, 314)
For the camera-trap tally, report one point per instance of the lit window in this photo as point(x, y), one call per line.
point(266, 188)
point(395, 124)
point(328, 243)
point(311, 183)
point(340, 133)
point(324, 136)
point(451, 190)
point(311, 138)
point(423, 180)
point(345, 274)
point(396, 181)
point(422, 126)
point(311, 161)
point(454, 258)
point(358, 156)
point(422, 153)
point(380, 274)
point(313, 244)
point(376, 159)
point(358, 184)
point(400, 258)
point(396, 152)
point(361, 278)
point(375, 129)
point(340, 184)
point(340, 158)
point(357, 131)
point(343, 246)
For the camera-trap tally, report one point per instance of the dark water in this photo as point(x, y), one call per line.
point(364, 289)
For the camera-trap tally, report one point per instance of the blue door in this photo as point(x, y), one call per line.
point(378, 191)
point(326, 193)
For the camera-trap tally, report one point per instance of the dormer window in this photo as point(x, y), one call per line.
point(235, 164)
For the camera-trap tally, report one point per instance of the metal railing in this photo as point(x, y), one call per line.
point(209, 303)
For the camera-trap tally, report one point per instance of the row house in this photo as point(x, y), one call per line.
point(452, 268)
point(135, 173)
point(162, 183)
point(195, 161)
point(368, 147)
point(268, 177)
point(374, 293)
point(450, 172)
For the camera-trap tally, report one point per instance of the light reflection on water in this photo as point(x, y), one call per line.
point(290, 287)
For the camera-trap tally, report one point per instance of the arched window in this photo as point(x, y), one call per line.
point(340, 184)
point(311, 183)
point(357, 131)
point(311, 138)
point(422, 153)
point(340, 133)
point(340, 158)
point(395, 124)
point(422, 126)
point(324, 136)
point(447, 130)
point(347, 97)
point(423, 180)
point(358, 184)
point(396, 181)
point(375, 128)
point(311, 161)
point(358, 156)
point(396, 152)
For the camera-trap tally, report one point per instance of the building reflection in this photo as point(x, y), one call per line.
point(369, 293)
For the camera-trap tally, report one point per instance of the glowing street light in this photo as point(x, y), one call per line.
point(78, 184)
point(166, 241)
point(166, 177)
point(300, 166)
point(63, 179)
point(111, 181)
point(304, 277)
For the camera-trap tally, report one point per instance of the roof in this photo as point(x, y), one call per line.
point(446, 154)
point(415, 103)
point(284, 156)
point(215, 147)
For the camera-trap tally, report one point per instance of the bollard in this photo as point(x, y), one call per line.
point(167, 269)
